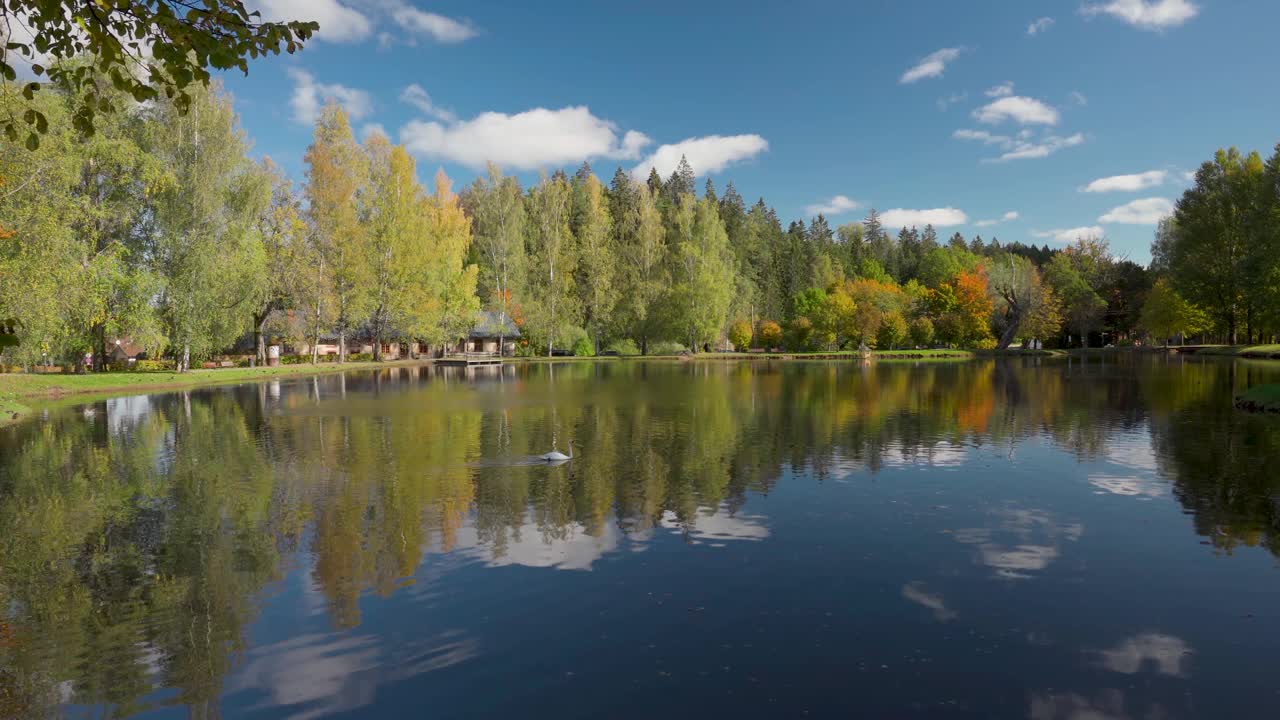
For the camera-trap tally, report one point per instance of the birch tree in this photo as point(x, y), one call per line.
point(336, 171)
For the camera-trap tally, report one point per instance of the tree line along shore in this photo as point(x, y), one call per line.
point(159, 228)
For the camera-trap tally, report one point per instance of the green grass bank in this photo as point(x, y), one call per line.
point(1265, 352)
point(21, 393)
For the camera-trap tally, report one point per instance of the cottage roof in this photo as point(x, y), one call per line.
point(491, 324)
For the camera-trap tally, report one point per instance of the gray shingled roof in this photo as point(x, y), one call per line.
point(492, 324)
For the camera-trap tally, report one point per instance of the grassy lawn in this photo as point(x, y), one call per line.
point(1260, 398)
point(1254, 351)
point(18, 391)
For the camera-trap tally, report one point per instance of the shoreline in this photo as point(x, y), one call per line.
point(1259, 399)
point(24, 393)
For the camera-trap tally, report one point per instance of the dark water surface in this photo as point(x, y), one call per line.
point(1023, 539)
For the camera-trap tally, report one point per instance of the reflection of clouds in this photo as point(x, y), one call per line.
point(527, 546)
point(1167, 652)
point(1132, 451)
point(1128, 486)
point(1107, 705)
point(126, 411)
point(316, 675)
point(915, 592)
point(896, 455)
point(940, 454)
point(720, 526)
point(1021, 541)
point(571, 548)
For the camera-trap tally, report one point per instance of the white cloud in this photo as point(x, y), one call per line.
point(1078, 98)
point(528, 140)
point(438, 27)
point(1022, 146)
point(1026, 150)
point(1022, 110)
point(837, 205)
point(1148, 211)
point(373, 128)
point(1004, 89)
point(938, 217)
point(338, 23)
point(930, 66)
point(952, 99)
point(1146, 14)
point(1039, 26)
point(983, 135)
point(709, 154)
point(1127, 183)
point(1007, 217)
point(347, 21)
point(1070, 235)
point(417, 96)
point(309, 96)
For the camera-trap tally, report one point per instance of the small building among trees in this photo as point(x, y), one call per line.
point(489, 329)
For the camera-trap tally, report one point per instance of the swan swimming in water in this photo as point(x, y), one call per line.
point(557, 456)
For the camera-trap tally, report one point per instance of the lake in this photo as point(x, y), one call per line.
point(1032, 538)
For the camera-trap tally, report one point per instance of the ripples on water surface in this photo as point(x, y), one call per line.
point(983, 539)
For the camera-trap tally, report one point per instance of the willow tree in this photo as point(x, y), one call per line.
point(206, 242)
point(336, 171)
point(74, 214)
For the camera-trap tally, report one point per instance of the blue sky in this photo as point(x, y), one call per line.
point(957, 112)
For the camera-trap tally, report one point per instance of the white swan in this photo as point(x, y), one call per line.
point(557, 456)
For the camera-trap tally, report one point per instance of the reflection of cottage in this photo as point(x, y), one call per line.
point(125, 352)
point(489, 328)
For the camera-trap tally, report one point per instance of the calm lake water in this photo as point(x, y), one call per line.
point(1024, 539)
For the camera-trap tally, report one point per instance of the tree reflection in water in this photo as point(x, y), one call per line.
point(138, 541)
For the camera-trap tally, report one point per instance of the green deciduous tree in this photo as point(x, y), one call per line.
point(451, 310)
point(1221, 251)
point(597, 266)
point(642, 248)
point(1166, 314)
point(740, 335)
point(497, 214)
point(336, 173)
point(702, 271)
point(143, 50)
point(207, 243)
point(552, 259)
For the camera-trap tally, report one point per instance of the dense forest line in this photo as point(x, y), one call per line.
point(159, 227)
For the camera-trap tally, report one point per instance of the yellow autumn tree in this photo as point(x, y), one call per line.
point(452, 282)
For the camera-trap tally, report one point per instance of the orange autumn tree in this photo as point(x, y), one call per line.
point(963, 310)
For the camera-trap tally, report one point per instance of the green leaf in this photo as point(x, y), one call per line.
point(33, 141)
